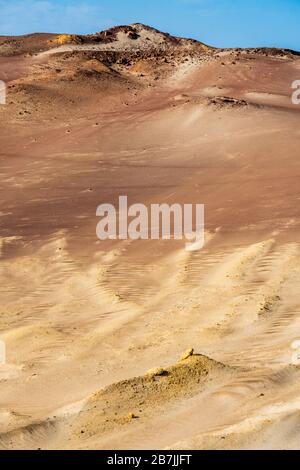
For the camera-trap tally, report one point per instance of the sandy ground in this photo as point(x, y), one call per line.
point(84, 320)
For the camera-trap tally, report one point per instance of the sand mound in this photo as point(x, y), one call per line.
point(142, 396)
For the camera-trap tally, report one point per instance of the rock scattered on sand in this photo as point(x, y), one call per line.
point(156, 372)
point(187, 354)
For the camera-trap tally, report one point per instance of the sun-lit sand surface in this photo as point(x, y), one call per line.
point(84, 320)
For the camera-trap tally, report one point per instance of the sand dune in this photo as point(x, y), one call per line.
point(159, 119)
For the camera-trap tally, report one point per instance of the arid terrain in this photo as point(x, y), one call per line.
point(132, 111)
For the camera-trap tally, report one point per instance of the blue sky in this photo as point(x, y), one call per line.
point(223, 23)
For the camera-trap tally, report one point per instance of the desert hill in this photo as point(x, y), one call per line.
point(133, 111)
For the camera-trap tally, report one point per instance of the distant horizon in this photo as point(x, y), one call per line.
point(162, 31)
point(219, 23)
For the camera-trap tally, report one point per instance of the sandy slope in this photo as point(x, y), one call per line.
point(85, 320)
